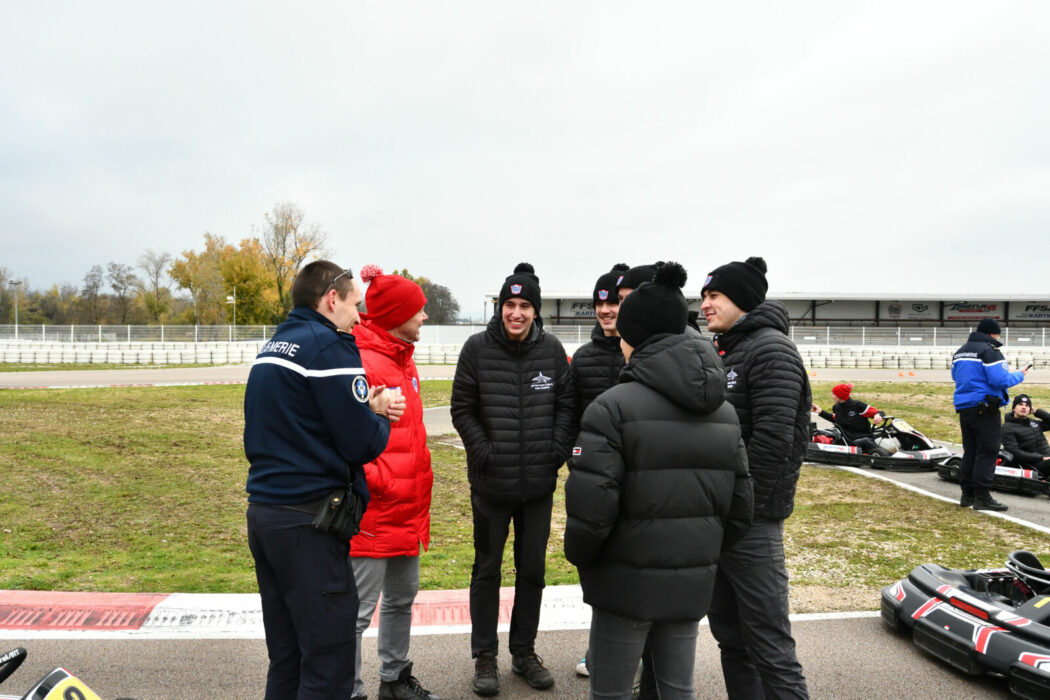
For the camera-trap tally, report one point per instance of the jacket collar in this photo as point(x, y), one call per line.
point(978, 337)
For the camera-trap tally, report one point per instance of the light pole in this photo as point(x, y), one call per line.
point(233, 300)
point(16, 284)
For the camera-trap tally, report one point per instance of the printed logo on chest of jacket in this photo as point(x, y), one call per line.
point(731, 377)
point(541, 382)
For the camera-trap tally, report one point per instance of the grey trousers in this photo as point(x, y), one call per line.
point(616, 644)
point(397, 579)
point(749, 618)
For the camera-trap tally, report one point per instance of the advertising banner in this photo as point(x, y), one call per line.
point(1029, 311)
point(909, 310)
point(973, 311)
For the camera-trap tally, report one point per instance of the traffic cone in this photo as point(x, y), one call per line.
point(911, 374)
point(900, 374)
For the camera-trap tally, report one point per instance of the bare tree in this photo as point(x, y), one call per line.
point(288, 241)
point(122, 279)
point(155, 266)
point(91, 293)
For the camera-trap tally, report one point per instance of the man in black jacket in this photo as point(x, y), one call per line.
point(659, 486)
point(513, 404)
point(767, 384)
point(1023, 435)
point(596, 366)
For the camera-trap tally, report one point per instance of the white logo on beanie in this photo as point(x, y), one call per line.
point(603, 294)
point(708, 280)
point(515, 289)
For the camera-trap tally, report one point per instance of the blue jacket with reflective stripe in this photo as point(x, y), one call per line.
point(308, 428)
point(980, 370)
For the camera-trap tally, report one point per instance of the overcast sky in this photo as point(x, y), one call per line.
point(857, 146)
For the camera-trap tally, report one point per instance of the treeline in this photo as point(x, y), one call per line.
point(209, 286)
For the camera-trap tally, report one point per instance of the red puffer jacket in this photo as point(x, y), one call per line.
point(399, 480)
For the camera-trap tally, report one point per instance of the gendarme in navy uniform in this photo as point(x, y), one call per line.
point(311, 423)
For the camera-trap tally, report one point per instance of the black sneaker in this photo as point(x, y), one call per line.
point(986, 502)
point(406, 687)
point(966, 501)
point(486, 675)
point(531, 667)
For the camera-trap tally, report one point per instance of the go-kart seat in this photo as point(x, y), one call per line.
point(1036, 609)
point(1027, 567)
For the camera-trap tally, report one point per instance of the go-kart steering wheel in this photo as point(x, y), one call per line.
point(10, 662)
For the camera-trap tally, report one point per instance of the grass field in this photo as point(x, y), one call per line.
point(142, 489)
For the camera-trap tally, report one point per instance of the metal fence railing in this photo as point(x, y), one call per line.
point(457, 335)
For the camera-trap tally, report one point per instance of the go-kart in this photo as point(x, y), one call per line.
point(900, 447)
point(1009, 476)
point(59, 684)
point(983, 620)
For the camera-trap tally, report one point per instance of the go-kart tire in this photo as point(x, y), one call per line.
point(10, 662)
point(880, 452)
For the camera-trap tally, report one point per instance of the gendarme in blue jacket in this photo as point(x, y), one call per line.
point(980, 370)
point(308, 428)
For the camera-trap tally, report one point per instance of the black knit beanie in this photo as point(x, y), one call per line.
point(633, 278)
point(523, 283)
point(989, 326)
point(605, 287)
point(743, 282)
point(655, 307)
point(1021, 398)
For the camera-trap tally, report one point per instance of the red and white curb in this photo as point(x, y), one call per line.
point(60, 615)
point(46, 614)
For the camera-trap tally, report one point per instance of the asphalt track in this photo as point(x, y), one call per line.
point(844, 656)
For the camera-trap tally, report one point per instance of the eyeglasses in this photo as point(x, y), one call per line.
point(344, 272)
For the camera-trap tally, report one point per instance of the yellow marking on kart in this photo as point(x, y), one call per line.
point(1041, 603)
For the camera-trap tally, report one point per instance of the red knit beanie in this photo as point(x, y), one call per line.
point(391, 299)
point(842, 391)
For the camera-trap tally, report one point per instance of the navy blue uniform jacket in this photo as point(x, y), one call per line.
point(308, 428)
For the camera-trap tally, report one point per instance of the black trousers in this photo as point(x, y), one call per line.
point(309, 605)
point(981, 435)
point(532, 529)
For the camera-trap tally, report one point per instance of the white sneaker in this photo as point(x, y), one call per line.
point(581, 668)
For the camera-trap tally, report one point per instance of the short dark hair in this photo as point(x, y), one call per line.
point(314, 280)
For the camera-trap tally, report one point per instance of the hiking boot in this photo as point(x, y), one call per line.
point(985, 501)
point(486, 675)
point(966, 501)
point(406, 687)
point(531, 667)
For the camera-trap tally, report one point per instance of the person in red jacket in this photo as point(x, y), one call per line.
point(385, 554)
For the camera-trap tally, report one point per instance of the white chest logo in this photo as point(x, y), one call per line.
point(541, 382)
point(731, 377)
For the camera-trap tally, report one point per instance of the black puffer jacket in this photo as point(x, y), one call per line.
point(767, 384)
point(660, 484)
point(596, 367)
point(1024, 439)
point(514, 406)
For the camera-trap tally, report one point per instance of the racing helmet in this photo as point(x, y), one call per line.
point(1027, 567)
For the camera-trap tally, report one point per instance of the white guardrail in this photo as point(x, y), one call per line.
point(820, 347)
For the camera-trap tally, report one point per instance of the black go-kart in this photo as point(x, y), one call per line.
point(59, 684)
point(1009, 477)
point(900, 447)
point(980, 621)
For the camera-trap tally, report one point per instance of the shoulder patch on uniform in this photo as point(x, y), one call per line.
point(360, 386)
